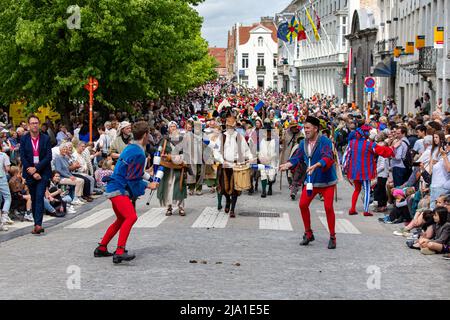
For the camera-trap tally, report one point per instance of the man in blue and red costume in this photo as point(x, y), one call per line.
point(127, 183)
point(360, 164)
point(316, 151)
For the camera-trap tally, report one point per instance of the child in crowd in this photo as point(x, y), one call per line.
point(57, 198)
point(21, 198)
point(105, 170)
point(440, 243)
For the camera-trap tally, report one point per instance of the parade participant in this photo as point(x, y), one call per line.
point(193, 154)
point(361, 166)
point(235, 151)
point(317, 151)
point(126, 183)
point(268, 156)
point(254, 143)
point(290, 138)
point(173, 188)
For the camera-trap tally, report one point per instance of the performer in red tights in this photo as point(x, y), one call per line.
point(128, 181)
point(316, 151)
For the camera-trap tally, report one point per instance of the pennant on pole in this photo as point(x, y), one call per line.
point(301, 31)
point(317, 20)
point(293, 29)
point(316, 33)
point(282, 32)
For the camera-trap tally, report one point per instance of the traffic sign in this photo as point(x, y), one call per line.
point(371, 90)
point(369, 82)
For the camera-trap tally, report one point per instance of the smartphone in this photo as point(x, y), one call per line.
point(416, 164)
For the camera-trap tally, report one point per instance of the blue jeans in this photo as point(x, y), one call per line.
point(48, 206)
point(37, 192)
point(399, 175)
point(5, 193)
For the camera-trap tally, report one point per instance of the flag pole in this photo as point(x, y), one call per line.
point(324, 30)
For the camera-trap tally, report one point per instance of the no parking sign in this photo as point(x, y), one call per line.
point(369, 84)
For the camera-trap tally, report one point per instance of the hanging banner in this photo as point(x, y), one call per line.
point(313, 25)
point(293, 28)
point(409, 48)
point(439, 37)
point(420, 42)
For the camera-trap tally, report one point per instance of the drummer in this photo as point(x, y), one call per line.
point(235, 151)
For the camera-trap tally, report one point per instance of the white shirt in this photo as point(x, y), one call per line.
point(4, 161)
point(418, 146)
point(231, 150)
point(440, 176)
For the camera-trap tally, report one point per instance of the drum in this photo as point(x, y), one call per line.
point(241, 177)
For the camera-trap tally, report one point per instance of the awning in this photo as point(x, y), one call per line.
point(386, 68)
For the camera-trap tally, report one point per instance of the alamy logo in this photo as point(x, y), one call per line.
point(74, 21)
point(374, 280)
point(74, 280)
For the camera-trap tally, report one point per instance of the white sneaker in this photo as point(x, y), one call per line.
point(28, 217)
point(3, 227)
point(77, 202)
point(7, 219)
point(71, 211)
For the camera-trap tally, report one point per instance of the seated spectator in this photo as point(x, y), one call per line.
point(64, 167)
point(57, 198)
point(422, 219)
point(400, 213)
point(82, 171)
point(105, 170)
point(20, 195)
point(440, 243)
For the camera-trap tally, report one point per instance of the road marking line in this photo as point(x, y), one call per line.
point(281, 223)
point(152, 218)
point(335, 211)
point(342, 226)
point(211, 218)
point(92, 220)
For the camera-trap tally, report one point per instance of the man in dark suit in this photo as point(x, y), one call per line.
point(36, 157)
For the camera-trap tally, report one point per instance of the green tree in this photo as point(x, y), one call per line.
point(137, 49)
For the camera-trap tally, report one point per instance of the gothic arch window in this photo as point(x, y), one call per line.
point(355, 23)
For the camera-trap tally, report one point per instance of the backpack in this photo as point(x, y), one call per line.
point(409, 157)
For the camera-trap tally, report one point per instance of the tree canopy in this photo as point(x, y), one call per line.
point(137, 49)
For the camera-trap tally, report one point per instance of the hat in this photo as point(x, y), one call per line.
point(123, 125)
point(268, 124)
point(294, 124)
point(398, 192)
point(5, 131)
point(313, 120)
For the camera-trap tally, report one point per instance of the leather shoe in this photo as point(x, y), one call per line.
point(332, 243)
point(232, 214)
point(118, 258)
point(38, 230)
point(307, 240)
point(101, 253)
point(353, 213)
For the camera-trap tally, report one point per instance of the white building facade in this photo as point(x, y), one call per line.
point(256, 55)
point(320, 65)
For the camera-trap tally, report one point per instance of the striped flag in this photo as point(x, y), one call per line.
point(301, 31)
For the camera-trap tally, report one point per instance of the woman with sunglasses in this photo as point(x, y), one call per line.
point(440, 178)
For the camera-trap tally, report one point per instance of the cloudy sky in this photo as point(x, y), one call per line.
point(220, 15)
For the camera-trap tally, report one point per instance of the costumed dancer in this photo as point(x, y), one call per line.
point(360, 164)
point(173, 189)
point(317, 152)
point(235, 151)
point(129, 180)
point(254, 142)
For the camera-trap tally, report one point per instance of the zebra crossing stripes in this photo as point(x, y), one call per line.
point(211, 218)
point(152, 218)
point(282, 223)
point(342, 226)
point(335, 211)
point(92, 220)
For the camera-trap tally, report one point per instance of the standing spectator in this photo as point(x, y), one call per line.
point(4, 117)
point(4, 191)
point(36, 155)
point(440, 177)
point(399, 171)
point(418, 145)
point(103, 143)
point(123, 138)
point(426, 105)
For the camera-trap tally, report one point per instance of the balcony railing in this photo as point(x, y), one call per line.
point(386, 46)
point(427, 61)
point(260, 69)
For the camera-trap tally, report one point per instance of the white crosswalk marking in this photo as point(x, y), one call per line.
point(152, 218)
point(335, 211)
point(211, 218)
point(342, 226)
point(92, 220)
point(281, 223)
